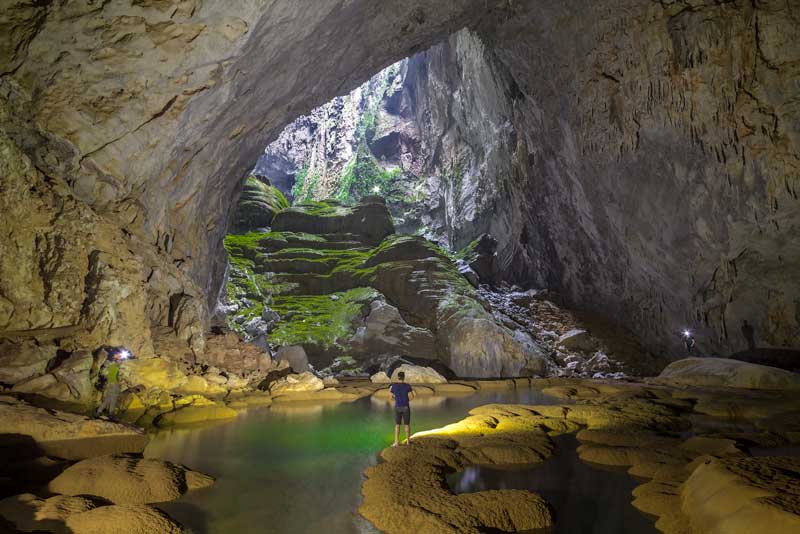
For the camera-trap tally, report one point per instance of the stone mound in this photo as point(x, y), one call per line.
point(728, 373)
point(123, 519)
point(128, 479)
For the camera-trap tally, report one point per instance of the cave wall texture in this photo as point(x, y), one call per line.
point(641, 157)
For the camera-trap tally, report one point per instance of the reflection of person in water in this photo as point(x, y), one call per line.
point(749, 334)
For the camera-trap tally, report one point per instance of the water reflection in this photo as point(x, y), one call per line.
point(296, 467)
point(586, 500)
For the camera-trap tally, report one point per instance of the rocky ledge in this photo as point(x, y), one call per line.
point(698, 470)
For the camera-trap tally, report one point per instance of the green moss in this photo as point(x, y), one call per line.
point(468, 253)
point(322, 208)
point(364, 176)
point(320, 320)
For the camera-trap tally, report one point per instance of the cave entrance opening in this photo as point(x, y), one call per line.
point(366, 142)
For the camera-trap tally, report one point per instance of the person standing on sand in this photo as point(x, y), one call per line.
point(402, 394)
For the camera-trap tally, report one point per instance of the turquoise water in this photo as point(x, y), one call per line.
point(296, 468)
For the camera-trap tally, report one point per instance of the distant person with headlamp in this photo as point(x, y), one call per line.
point(110, 374)
point(688, 340)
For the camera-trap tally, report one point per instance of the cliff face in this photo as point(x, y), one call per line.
point(640, 157)
point(657, 166)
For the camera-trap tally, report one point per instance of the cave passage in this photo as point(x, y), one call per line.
point(232, 240)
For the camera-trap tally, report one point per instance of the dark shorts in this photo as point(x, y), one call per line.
point(402, 414)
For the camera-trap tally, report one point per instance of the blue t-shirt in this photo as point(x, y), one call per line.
point(400, 391)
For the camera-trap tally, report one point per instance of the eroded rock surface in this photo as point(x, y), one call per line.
point(728, 373)
point(408, 490)
point(128, 479)
point(66, 435)
point(696, 472)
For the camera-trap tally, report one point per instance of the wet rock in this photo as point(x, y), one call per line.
point(729, 373)
point(193, 409)
point(281, 370)
point(408, 490)
point(124, 519)
point(296, 383)
point(128, 479)
point(66, 435)
point(738, 494)
point(295, 356)
point(415, 374)
point(199, 385)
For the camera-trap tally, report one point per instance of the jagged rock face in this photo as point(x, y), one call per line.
point(650, 172)
point(656, 169)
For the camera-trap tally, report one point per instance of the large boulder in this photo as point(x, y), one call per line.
point(475, 346)
point(21, 361)
point(385, 330)
point(578, 340)
point(480, 256)
point(128, 479)
point(228, 352)
point(295, 356)
point(296, 383)
point(728, 373)
point(153, 373)
point(66, 435)
point(259, 203)
point(416, 374)
point(69, 382)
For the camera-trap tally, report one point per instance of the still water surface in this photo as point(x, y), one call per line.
point(296, 468)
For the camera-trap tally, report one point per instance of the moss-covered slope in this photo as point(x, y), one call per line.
point(344, 285)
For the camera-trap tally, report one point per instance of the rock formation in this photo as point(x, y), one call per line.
point(342, 285)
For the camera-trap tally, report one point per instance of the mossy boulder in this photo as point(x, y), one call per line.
point(257, 206)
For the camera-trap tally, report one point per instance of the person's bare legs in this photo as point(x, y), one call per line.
point(408, 434)
point(396, 435)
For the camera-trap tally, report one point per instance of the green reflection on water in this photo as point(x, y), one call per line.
point(297, 467)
